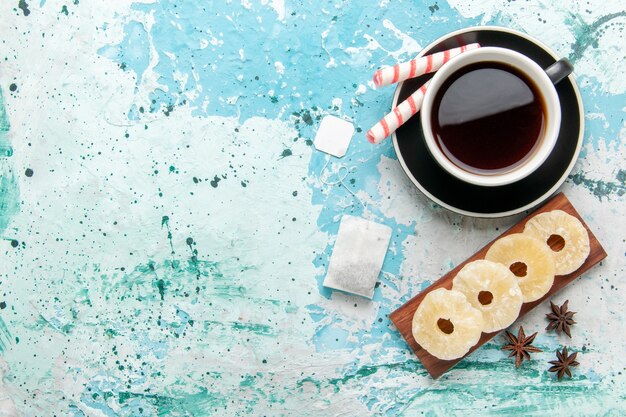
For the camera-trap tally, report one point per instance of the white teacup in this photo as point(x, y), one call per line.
point(543, 80)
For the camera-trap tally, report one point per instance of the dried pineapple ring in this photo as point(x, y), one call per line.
point(554, 226)
point(492, 289)
point(446, 325)
point(529, 259)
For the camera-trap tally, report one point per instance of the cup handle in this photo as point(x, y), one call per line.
point(559, 70)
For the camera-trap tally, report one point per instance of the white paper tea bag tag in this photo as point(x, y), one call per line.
point(358, 256)
point(334, 136)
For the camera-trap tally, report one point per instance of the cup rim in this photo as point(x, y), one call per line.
point(545, 87)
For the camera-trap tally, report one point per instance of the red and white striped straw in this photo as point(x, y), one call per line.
point(400, 114)
point(418, 66)
point(409, 107)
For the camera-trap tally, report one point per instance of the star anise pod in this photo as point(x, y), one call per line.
point(520, 346)
point(560, 318)
point(563, 364)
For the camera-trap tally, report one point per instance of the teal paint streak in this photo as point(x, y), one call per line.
point(202, 402)
point(371, 376)
point(178, 279)
point(171, 276)
point(59, 324)
point(9, 194)
point(587, 35)
point(5, 336)
point(460, 386)
point(137, 288)
point(411, 366)
point(9, 190)
point(490, 394)
point(4, 120)
point(602, 189)
point(5, 146)
point(254, 328)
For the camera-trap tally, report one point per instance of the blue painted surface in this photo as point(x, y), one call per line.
point(167, 255)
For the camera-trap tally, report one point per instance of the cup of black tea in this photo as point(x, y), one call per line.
point(491, 116)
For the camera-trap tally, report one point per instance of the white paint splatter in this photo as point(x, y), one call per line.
point(331, 61)
point(361, 55)
point(279, 67)
point(277, 5)
point(409, 47)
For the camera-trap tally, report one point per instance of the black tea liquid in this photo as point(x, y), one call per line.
point(488, 118)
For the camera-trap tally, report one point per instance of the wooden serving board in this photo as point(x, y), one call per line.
point(403, 316)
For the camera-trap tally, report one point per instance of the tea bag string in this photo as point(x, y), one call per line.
point(341, 174)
